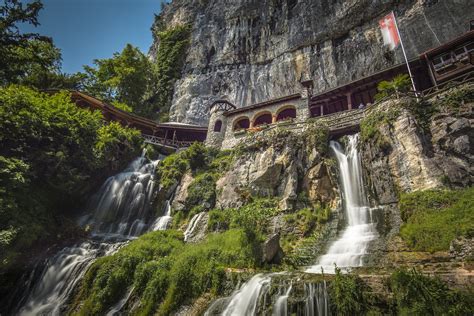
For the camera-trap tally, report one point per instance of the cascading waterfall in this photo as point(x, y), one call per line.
point(120, 211)
point(350, 248)
point(256, 297)
point(244, 301)
point(162, 222)
point(317, 301)
point(281, 305)
point(192, 226)
point(347, 251)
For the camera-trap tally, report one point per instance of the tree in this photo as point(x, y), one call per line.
point(29, 58)
point(53, 154)
point(124, 78)
point(398, 84)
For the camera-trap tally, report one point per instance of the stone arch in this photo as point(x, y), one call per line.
point(286, 112)
point(217, 126)
point(241, 123)
point(261, 118)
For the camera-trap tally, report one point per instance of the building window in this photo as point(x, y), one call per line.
point(286, 113)
point(262, 119)
point(218, 126)
point(242, 123)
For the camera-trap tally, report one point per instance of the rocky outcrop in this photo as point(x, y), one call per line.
point(255, 50)
point(285, 169)
point(417, 159)
point(181, 193)
point(271, 250)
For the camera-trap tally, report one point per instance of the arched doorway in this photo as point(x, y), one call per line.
point(262, 118)
point(286, 113)
point(241, 123)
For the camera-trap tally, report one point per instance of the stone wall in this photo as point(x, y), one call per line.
point(232, 138)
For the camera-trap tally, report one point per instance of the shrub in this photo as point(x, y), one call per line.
point(196, 158)
point(348, 294)
point(371, 124)
point(169, 61)
point(165, 272)
point(454, 99)
point(253, 216)
point(202, 191)
point(51, 150)
point(114, 140)
point(317, 136)
point(398, 84)
point(433, 218)
point(416, 294)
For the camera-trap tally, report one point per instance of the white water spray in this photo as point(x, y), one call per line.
point(244, 301)
point(350, 248)
point(162, 222)
point(193, 225)
point(120, 211)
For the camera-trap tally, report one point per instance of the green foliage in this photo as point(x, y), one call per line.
point(305, 219)
point(164, 272)
point(371, 124)
point(434, 218)
point(122, 106)
point(196, 158)
point(348, 294)
point(29, 58)
point(398, 84)
point(202, 191)
point(114, 140)
point(416, 294)
point(124, 78)
point(169, 61)
point(317, 136)
point(255, 215)
point(456, 98)
point(51, 150)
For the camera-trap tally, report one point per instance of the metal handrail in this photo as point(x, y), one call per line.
point(151, 139)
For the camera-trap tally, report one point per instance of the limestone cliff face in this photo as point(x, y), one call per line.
point(254, 50)
point(441, 155)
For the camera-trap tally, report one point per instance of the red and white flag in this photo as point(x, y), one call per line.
point(389, 31)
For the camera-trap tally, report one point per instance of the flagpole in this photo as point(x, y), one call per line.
point(404, 54)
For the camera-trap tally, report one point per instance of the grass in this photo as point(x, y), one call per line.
point(256, 216)
point(416, 294)
point(164, 272)
point(434, 218)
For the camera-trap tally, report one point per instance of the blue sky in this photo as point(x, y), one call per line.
point(89, 29)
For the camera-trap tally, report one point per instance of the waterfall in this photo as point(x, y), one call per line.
point(120, 211)
point(281, 305)
point(317, 301)
point(193, 224)
point(350, 248)
point(162, 222)
point(255, 297)
point(244, 301)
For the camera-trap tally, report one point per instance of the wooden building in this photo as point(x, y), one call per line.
point(172, 134)
point(451, 59)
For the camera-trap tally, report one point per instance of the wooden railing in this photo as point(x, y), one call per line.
point(161, 141)
point(457, 81)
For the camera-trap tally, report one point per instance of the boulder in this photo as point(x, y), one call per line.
point(271, 249)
